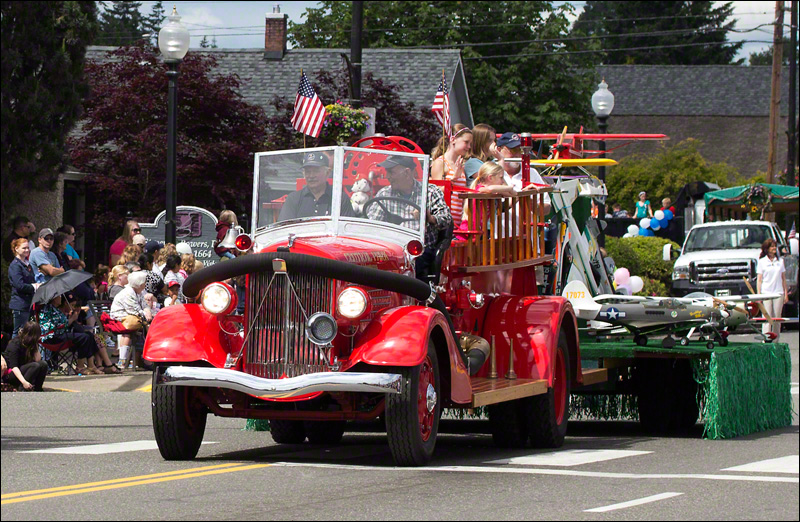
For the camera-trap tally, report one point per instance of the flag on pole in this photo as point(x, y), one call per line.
point(441, 106)
point(793, 232)
point(309, 113)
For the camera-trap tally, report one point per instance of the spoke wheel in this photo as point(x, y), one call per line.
point(550, 412)
point(412, 417)
point(179, 421)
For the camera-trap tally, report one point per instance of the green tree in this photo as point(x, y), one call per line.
point(673, 33)
point(121, 23)
point(520, 74)
point(153, 22)
point(43, 85)
point(663, 174)
point(123, 144)
point(204, 43)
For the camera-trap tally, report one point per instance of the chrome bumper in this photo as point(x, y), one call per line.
point(280, 388)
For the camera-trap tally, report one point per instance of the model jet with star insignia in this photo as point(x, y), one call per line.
point(708, 316)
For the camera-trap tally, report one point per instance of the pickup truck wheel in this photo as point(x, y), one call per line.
point(509, 423)
point(412, 417)
point(287, 431)
point(179, 421)
point(550, 412)
point(324, 432)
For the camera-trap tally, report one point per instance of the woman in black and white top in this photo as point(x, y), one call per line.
point(772, 280)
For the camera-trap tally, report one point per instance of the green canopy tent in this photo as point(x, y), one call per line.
point(738, 202)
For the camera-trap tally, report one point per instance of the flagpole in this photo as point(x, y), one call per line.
point(303, 133)
point(444, 131)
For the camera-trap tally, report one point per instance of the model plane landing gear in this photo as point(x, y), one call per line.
point(684, 341)
point(668, 342)
point(710, 345)
point(640, 339)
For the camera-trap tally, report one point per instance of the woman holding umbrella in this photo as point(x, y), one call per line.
point(23, 285)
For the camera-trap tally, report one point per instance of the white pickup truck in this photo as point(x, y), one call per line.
point(717, 256)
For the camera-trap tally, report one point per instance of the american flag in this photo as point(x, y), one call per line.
point(441, 105)
point(309, 113)
point(793, 232)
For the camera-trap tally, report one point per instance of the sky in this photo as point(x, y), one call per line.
point(241, 24)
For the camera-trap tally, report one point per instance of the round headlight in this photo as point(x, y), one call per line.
point(352, 303)
point(321, 328)
point(218, 298)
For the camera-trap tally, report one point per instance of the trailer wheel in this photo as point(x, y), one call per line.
point(324, 432)
point(179, 421)
point(287, 431)
point(412, 417)
point(550, 412)
point(509, 422)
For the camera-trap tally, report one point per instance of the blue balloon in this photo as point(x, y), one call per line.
point(668, 215)
point(664, 223)
point(644, 231)
point(655, 224)
point(648, 233)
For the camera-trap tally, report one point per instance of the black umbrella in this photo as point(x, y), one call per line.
point(60, 284)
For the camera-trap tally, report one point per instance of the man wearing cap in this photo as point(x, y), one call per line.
point(153, 246)
point(510, 146)
point(45, 261)
point(404, 185)
point(315, 198)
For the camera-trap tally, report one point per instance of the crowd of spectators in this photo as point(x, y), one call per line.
point(141, 279)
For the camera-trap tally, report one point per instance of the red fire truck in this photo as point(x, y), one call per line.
point(340, 325)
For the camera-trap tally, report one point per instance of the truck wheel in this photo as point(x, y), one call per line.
point(324, 432)
point(179, 421)
point(287, 431)
point(412, 417)
point(509, 423)
point(550, 412)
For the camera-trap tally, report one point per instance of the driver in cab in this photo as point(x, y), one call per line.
point(313, 200)
point(404, 186)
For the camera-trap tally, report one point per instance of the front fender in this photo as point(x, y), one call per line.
point(534, 324)
point(399, 337)
point(187, 333)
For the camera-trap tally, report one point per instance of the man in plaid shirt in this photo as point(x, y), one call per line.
point(404, 185)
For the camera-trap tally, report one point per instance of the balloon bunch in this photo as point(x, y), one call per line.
point(647, 226)
point(626, 283)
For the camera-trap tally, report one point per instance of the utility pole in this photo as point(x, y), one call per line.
point(791, 150)
point(355, 52)
point(775, 97)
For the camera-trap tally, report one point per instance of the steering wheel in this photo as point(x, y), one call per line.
point(391, 217)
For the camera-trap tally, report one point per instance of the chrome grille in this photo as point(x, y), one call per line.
point(721, 272)
point(277, 345)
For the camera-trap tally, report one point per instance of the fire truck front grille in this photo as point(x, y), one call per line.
point(721, 272)
point(277, 345)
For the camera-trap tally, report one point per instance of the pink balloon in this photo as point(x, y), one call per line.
point(624, 288)
point(622, 276)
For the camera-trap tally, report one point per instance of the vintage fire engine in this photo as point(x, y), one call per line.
point(337, 328)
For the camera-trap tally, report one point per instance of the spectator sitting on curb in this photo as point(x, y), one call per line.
point(25, 367)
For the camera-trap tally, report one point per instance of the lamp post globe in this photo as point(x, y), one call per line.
point(173, 41)
point(602, 105)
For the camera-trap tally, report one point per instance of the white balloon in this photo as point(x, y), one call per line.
point(659, 215)
point(636, 283)
point(633, 230)
point(627, 234)
point(644, 223)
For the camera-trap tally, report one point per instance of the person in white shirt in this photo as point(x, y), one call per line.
point(130, 308)
point(772, 280)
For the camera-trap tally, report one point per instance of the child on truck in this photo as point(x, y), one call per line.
point(488, 180)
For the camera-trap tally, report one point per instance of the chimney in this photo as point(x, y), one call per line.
point(275, 34)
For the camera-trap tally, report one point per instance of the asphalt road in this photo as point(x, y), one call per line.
point(244, 475)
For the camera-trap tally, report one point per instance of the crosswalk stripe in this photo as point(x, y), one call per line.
point(102, 449)
point(632, 503)
point(566, 458)
point(788, 464)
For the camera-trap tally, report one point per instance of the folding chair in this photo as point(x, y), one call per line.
point(63, 359)
point(101, 310)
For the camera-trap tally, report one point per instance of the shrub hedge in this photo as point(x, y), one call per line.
point(642, 257)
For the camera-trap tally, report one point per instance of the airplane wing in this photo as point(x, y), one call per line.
point(746, 298)
point(601, 137)
point(579, 162)
point(581, 299)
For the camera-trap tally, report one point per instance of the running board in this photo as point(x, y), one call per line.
point(487, 391)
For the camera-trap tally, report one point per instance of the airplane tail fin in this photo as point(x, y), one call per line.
point(581, 299)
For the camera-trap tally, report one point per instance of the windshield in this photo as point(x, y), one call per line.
point(336, 186)
point(726, 237)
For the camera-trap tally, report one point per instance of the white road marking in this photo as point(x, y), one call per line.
point(788, 464)
point(632, 503)
point(569, 457)
point(542, 471)
point(102, 449)
point(795, 390)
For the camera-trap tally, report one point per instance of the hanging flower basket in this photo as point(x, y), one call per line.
point(758, 199)
point(343, 124)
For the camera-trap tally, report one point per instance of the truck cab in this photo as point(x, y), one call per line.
point(717, 257)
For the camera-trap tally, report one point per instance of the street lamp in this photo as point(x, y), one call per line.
point(602, 105)
point(173, 40)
